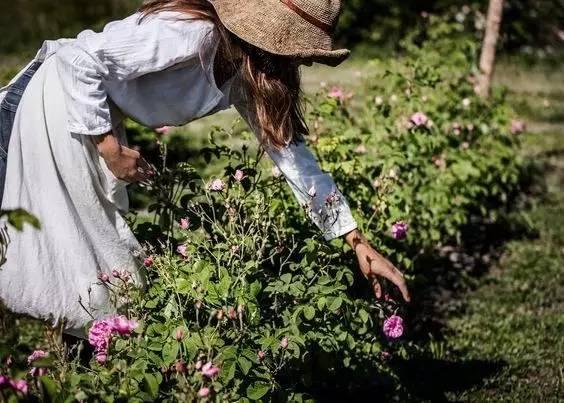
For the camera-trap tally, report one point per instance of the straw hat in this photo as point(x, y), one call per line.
point(298, 28)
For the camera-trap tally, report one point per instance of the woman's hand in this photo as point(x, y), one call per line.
point(373, 265)
point(125, 163)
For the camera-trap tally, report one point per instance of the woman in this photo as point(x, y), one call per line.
point(168, 64)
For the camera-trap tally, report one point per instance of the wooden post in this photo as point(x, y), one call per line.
point(487, 58)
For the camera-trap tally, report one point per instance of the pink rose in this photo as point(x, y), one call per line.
point(148, 261)
point(284, 343)
point(209, 370)
point(179, 334)
point(123, 326)
point(217, 185)
point(399, 230)
point(184, 223)
point(239, 175)
point(261, 355)
point(393, 327)
point(19, 386)
point(181, 249)
point(518, 126)
point(103, 277)
point(419, 119)
point(165, 130)
point(204, 392)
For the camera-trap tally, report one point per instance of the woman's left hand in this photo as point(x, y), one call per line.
point(373, 265)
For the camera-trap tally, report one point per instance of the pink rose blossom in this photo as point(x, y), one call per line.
point(100, 335)
point(165, 130)
point(103, 277)
point(204, 392)
point(180, 367)
point(148, 261)
point(19, 386)
point(399, 230)
point(181, 249)
point(235, 248)
point(101, 357)
point(123, 326)
point(517, 126)
point(239, 175)
point(336, 92)
point(261, 355)
point(284, 343)
point(198, 365)
point(217, 185)
point(4, 381)
point(184, 223)
point(179, 334)
point(209, 370)
point(231, 313)
point(419, 119)
point(393, 327)
point(36, 355)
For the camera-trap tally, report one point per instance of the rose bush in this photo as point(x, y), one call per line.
point(245, 301)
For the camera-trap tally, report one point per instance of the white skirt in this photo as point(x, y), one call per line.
point(52, 273)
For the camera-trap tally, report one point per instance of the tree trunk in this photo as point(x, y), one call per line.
point(487, 58)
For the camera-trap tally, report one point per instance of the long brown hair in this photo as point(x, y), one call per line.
point(272, 83)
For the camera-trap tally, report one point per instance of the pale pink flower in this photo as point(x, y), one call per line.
point(115, 273)
point(165, 130)
point(148, 261)
point(19, 386)
point(517, 126)
point(103, 277)
point(235, 248)
point(209, 370)
point(284, 342)
point(231, 313)
point(184, 223)
point(239, 175)
point(204, 392)
point(217, 185)
point(179, 334)
point(261, 355)
point(399, 230)
point(419, 119)
point(101, 357)
point(219, 314)
point(181, 250)
point(361, 149)
point(336, 92)
point(312, 192)
point(393, 327)
point(180, 367)
point(198, 364)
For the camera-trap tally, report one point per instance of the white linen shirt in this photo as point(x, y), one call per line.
point(159, 72)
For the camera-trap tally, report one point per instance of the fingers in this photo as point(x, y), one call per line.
point(396, 277)
point(377, 288)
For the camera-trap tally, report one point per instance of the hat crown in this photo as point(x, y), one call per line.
point(326, 11)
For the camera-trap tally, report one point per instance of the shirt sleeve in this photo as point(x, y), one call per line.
point(314, 189)
point(125, 50)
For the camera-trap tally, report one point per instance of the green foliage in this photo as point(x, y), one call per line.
point(255, 290)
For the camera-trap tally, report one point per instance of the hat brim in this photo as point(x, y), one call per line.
point(273, 27)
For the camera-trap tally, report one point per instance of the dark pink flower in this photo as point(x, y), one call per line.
point(4, 381)
point(101, 357)
point(100, 334)
point(36, 355)
point(261, 355)
point(231, 313)
point(103, 277)
point(204, 392)
point(148, 261)
point(209, 370)
point(393, 327)
point(399, 230)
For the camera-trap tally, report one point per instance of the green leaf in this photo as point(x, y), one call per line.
point(335, 304)
point(49, 386)
point(257, 390)
point(152, 385)
point(18, 217)
point(309, 312)
point(170, 352)
point(245, 365)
